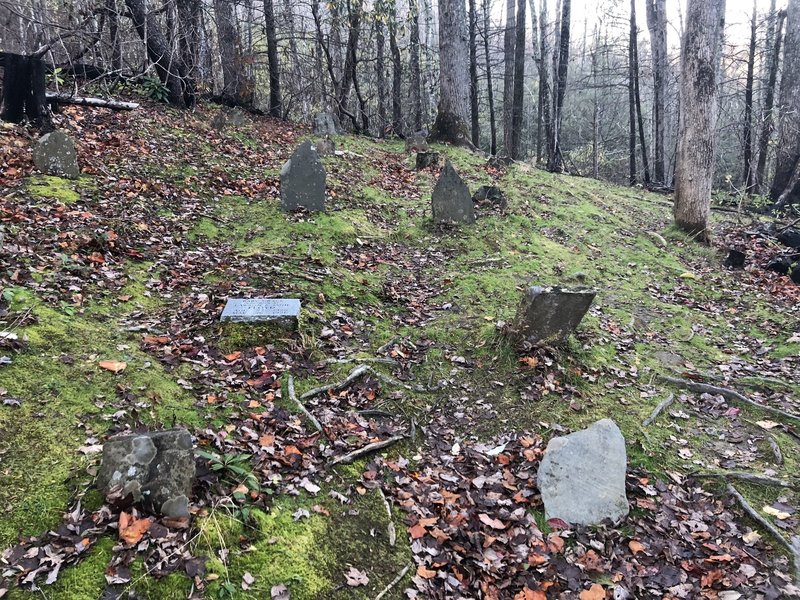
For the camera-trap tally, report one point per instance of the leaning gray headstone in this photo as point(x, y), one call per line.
point(451, 201)
point(324, 124)
point(54, 154)
point(582, 475)
point(220, 120)
point(548, 315)
point(154, 470)
point(283, 312)
point(303, 180)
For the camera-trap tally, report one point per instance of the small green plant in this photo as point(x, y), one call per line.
point(154, 89)
point(56, 76)
point(235, 469)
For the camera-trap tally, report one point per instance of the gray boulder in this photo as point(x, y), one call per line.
point(548, 315)
point(154, 470)
point(303, 180)
point(54, 154)
point(324, 124)
point(451, 201)
point(582, 475)
point(490, 195)
point(427, 159)
point(417, 142)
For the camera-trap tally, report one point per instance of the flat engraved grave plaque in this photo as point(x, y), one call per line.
point(285, 311)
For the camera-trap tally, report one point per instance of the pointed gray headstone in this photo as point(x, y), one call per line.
point(451, 201)
point(324, 124)
point(54, 154)
point(548, 315)
point(303, 180)
point(582, 475)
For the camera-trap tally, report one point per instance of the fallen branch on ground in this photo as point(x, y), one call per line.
point(657, 410)
point(728, 394)
point(390, 528)
point(350, 457)
point(357, 372)
point(749, 478)
point(54, 98)
point(792, 546)
point(393, 582)
point(302, 407)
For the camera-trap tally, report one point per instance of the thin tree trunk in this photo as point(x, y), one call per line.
point(237, 89)
point(414, 67)
point(657, 25)
point(113, 35)
point(694, 172)
point(380, 70)
point(489, 88)
point(767, 122)
point(631, 101)
point(544, 84)
point(397, 76)
point(350, 59)
point(556, 162)
point(536, 58)
point(519, 82)
point(747, 126)
point(595, 111)
point(638, 98)
point(275, 103)
point(509, 41)
point(473, 74)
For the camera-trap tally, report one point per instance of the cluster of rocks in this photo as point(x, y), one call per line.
point(788, 262)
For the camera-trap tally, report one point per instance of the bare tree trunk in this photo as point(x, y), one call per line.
point(637, 96)
point(169, 68)
point(767, 122)
point(747, 126)
point(275, 103)
point(536, 58)
point(694, 174)
point(556, 161)
point(788, 149)
point(489, 88)
point(509, 41)
point(237, 88)
point(595, 111)
point(188, 40)
point(113, 35)
point(631, 101)
point(414, 68)
point(657, 25)
point(397, 76)
point(350, 60)
point(473, 74)
point(519, 82)
point(24, 90)
point(453, 110)
point(544, 83)
point(380, 70)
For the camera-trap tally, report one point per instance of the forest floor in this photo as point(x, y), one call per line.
point(130, 265)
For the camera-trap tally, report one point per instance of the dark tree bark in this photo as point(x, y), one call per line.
point(350, 59)
point(397, 76)
point(113, 35)
point(380, 70)
point(657, 25)
point(237, 89)
point(414, 67)
point(694, 173)
point(24, 90)
point(473, 74)
point(556, 160)
point(169, 68)
point(747, 125)
point(767, 121)
point(453, 110)
point(509, 41)
point(636, 95)
point(188, 40)
point(489, 88)
point(275, 103)
point(544, 84)
point(787, 154)
point(519, 83)
point(631, 102)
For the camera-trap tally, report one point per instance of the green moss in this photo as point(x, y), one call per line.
point(49, 187)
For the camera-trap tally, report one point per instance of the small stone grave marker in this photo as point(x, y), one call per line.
point(490, 195)
point(303, 180)
point(417, 142)
point(324, 124)
point(427, 159)
point(550, 314)
point(283, 312)
point(582, 475)
point(154, 469)
point(451, 201)
point(54, 154)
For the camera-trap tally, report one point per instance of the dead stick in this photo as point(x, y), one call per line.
point(300, 405)
point(661, 406)
point(386, 346)
point(393, 582)
point(749, 478)
point(348, 458)
point(728, 394)
point(792, 546)
point(354, 374)
point(390, 528)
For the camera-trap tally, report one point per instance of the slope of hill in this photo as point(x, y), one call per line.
point(132, 263)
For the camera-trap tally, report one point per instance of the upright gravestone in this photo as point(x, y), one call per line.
point(153, 469)
point(548, 315)
point(490, 195)
point(303, 180)
point(325, 146)
point(427, 159)
point(582, 475)
point(283, 312)
point(54, 154)
point(417, 142)
point(451, 201)
point(324, 124)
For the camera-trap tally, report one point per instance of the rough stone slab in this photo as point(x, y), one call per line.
point(451, 201)
point(427, 159)
point(284, 312)
point(155, 470)
point(490, 195)
point(582, 475)
point(417, 142)
point(54, 154)
point(303, 180)
point(324, 124)
point(548, 315)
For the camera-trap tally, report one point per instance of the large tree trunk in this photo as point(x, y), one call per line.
point(556, 160)
point(519, 82)
point(236, 86)
point(747, 126)
point(768, 124)
point(509, 41)
point(380, 71)
point(489, 88)
point(414, 68)
point(275, 103)
point(473, 74)
point(113, 35)
point(788, 149)
point(24, 90)
point(657, 25)
point(453, 111)
point(188, 40)
point(170, 69)
point(631, 102)
point(694, 173)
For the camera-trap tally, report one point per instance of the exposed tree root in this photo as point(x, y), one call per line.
point(657, 410)
point(302, 407)
point(393, 582)
point(749, 478)
point(346, 459)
